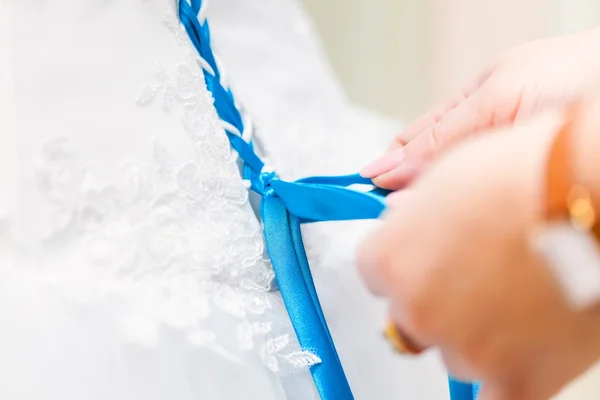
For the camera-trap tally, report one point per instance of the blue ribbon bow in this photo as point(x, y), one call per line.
point(284, 206)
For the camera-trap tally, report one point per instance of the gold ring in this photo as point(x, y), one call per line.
point(399, 341)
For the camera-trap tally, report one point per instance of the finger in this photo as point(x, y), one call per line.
point(395, 154)
point(388, 161)
point(414, 340)
point(430, 118)
point(469, 117)
point(435, 115)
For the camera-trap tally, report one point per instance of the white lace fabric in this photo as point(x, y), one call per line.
point(133, 265)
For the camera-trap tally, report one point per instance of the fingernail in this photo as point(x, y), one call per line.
point(385, 163)
point(399, 177)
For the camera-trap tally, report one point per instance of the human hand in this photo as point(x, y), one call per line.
point(453, 258)
point(524, 81)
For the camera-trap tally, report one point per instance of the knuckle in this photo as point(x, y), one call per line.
point(400, 140)
point(435, 137)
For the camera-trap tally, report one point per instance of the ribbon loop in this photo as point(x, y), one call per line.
point(327, 202)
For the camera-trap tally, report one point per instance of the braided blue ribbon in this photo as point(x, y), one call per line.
point(284, 206)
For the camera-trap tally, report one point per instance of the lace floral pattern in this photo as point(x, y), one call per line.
point(179, 236)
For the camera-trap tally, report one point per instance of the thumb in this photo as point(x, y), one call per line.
point(466, 119)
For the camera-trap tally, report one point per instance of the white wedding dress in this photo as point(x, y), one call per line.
point(132, 264)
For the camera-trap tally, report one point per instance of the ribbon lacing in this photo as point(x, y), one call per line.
point(284, 207)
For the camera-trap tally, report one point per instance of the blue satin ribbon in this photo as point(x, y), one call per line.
point(284, 207)
point(462, 390)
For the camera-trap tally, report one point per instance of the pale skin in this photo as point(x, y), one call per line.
point(453, 255)
point(526, 80)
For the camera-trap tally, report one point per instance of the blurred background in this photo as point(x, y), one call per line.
point(400, 56)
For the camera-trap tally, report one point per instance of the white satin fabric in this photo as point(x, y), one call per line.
point(132, 263)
